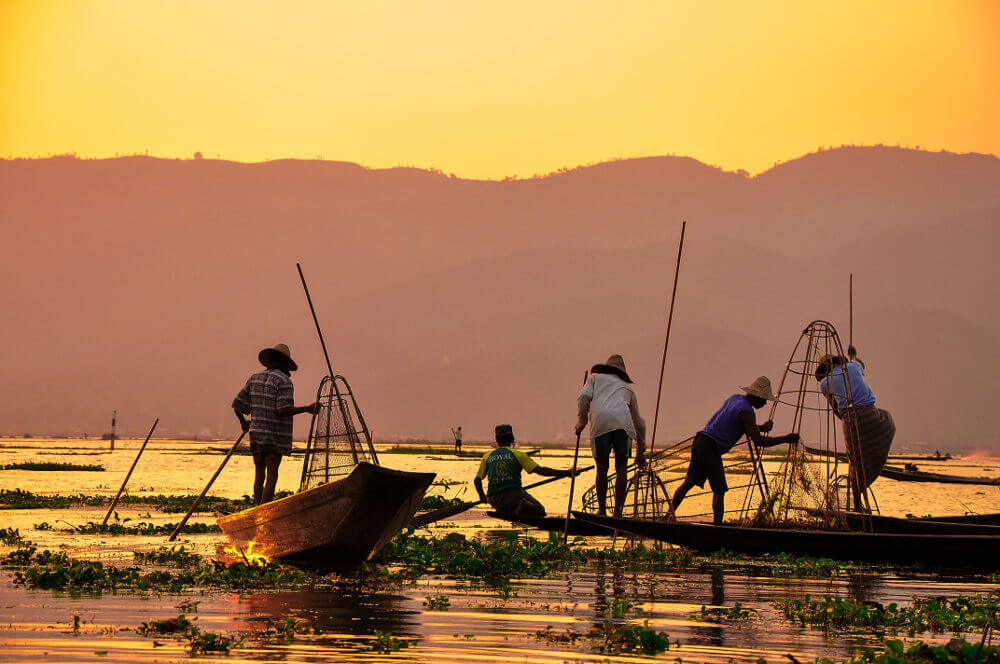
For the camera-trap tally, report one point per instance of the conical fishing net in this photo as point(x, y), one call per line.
point(336, 444)
point(812, 480)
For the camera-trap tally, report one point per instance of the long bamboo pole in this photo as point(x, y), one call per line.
point(666, 340)
point(850, 331)
point(129, 474)
point(208, 486)
point(572, 480)
point(322, 343)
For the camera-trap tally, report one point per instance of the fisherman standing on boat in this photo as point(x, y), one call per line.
point(503, 468)
point(458, 439)
point(730, 423)
point(267, 399)
point(868, 430)
point(609, 402)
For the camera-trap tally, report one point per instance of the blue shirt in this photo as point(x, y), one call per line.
point(834, 385)
point(726, 428)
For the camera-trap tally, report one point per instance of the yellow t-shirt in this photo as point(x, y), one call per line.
point(503, 468)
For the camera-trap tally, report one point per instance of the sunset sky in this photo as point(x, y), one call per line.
point(500, 88)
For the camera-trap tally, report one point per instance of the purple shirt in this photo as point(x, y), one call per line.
point(726, 428)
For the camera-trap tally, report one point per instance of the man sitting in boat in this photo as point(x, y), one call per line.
point(734, 420)
point(267, 399)
point(868, 430)
point(503, 468)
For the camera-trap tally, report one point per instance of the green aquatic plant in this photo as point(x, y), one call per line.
point(929, 614)
point(385, 642)
point(620, 607)
point(550, 635)
point(168, 626)
point(170, 504)
point(436, 502)
point(175, 555)
point(44, 525)
point(57, 571)
point(10, 536)
point(437, 602)
point(189, 605)
point(200, 642)
point(142, 528)
point(52, 465)
point(614, 638)
point(956, 651)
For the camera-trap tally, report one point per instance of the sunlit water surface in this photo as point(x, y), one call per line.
point(479, 625)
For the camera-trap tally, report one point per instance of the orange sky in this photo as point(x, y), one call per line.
point(500, 88)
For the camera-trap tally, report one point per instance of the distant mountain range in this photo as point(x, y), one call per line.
point(148, 285)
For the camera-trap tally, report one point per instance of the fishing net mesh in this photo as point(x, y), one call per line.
point(335, 443)
point(810, 481)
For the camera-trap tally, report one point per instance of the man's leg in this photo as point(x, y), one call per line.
point(258, 477)
point(621, 482)
point(718, 506)
point(602, 485)
point(529, 506)
point(272, 462)
point(682, 491)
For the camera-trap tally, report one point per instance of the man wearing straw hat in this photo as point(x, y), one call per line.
point(267, 399)
point(609, 402)
point(730, 423)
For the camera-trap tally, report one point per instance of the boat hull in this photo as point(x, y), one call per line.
point(961, 550)
point(556, 524)
point(902, 475)
point(891, 524)
point(333, 527)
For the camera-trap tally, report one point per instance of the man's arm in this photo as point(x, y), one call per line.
point(852, 355)
point(760, 440)
point(553, 472)
point(640, 431)
point(295, 410)
point(241, 406)
point(479, 488)
point(244, 422)
point(583, 413)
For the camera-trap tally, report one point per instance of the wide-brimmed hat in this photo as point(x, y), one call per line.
point(760, 388)
point(278, 353)
point(615, 365)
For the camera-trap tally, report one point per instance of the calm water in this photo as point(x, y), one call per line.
point(478, 626)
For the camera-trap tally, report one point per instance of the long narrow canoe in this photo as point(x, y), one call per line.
point(891, 524)
point(919, 476)
point(333, 527)
point(982, 519)
point(892, 457)
point(962, 550)
point(555, 524)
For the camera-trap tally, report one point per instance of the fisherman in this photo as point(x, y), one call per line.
point(458, 439)
point(609, 402)
point(868, 430)
point(731, 422)
point(267, 399)
point(503, 467)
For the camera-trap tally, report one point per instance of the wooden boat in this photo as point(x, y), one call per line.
point(960, 550)
point(981, 519)
point(332, 527)
point(904, 475)
point(555, 524)
point(890, 524)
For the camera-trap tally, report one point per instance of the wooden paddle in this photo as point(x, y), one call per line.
point(208, 486)
point(129, 474)
point(421, 520)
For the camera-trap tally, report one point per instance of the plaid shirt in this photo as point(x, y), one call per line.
point(260, 398)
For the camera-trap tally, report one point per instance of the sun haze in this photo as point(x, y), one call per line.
point(496, 89)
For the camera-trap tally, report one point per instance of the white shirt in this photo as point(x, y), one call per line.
point(608, 399)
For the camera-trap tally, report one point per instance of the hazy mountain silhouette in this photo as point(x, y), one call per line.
point(148, 285)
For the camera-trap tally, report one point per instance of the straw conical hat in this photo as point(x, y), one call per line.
point(614, 365)
point(760, 388)
point(278, 351)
